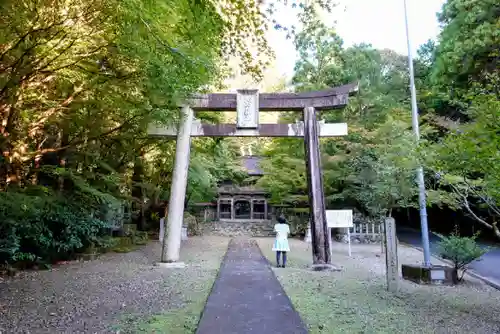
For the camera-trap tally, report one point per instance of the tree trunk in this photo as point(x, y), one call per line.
point(63, 158)
point(492, 226)
point(138, 193)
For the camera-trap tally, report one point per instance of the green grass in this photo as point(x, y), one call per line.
point(185, 318)
point(355, 300)
point(126, 244)
point(191, 287)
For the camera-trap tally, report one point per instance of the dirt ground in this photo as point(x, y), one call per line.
point(122, 293)
point(355, 299)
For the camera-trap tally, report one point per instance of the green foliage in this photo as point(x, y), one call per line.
point(79, 83)
point(41, 228)
point(468, 161)
point(212, 161)
point(467, 53)
point(125, 244)
point(319, 49)
point(472, 150)
point(373, 168)
point(460, 250)
point(285, 174)
point(383, 176)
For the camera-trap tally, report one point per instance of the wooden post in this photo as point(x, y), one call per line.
point(319, 229)
point(232, 208)
point(251, 208)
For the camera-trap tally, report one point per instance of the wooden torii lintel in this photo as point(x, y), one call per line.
point(320, 100)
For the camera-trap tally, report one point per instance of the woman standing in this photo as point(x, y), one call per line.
point(281, 246)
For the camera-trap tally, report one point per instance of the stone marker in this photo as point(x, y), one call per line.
point(434, 275)
point(184, 234)
point(308, 237)
point(391, 255)
point(162, 230)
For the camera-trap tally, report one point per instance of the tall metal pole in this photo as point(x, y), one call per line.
point(420, 171)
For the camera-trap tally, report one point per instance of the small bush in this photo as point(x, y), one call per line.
point(460, 250)
point(140, 238)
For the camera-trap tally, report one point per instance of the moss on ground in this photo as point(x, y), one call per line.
point(190, 288)
point(355, 300)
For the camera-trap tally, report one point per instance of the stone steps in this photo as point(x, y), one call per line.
point(246, 228)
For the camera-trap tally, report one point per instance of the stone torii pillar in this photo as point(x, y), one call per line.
point(172, 243)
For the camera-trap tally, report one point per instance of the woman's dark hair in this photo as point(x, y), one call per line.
point(282, 220)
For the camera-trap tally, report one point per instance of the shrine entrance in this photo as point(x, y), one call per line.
point(247, 104)
point(242, 209)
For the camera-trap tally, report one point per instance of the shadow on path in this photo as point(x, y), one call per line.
point(247, 297)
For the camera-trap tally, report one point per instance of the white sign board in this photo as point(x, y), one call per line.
point(247, 109)
point(339, 218)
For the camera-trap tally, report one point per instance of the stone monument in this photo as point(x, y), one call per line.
point(391, 255)
point(162, 230)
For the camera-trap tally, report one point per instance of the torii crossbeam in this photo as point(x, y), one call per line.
point(247, 104)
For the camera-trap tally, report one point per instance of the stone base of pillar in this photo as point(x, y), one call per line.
point(175, 265)
point(324, 267)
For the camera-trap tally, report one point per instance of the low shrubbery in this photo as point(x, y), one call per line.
point(38, 225)
point(460, 250)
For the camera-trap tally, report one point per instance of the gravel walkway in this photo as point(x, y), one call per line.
point(247, 297)
point(99, 296)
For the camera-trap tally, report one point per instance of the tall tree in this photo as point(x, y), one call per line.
point(467, 52)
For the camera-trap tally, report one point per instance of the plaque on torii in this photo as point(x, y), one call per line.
point(247, 109)
point(247, 103)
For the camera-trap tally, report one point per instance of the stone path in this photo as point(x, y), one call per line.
point(247, 297)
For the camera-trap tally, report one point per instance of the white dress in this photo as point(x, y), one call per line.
point(281, 242)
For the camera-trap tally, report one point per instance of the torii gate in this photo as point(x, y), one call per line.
point(247, 104)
